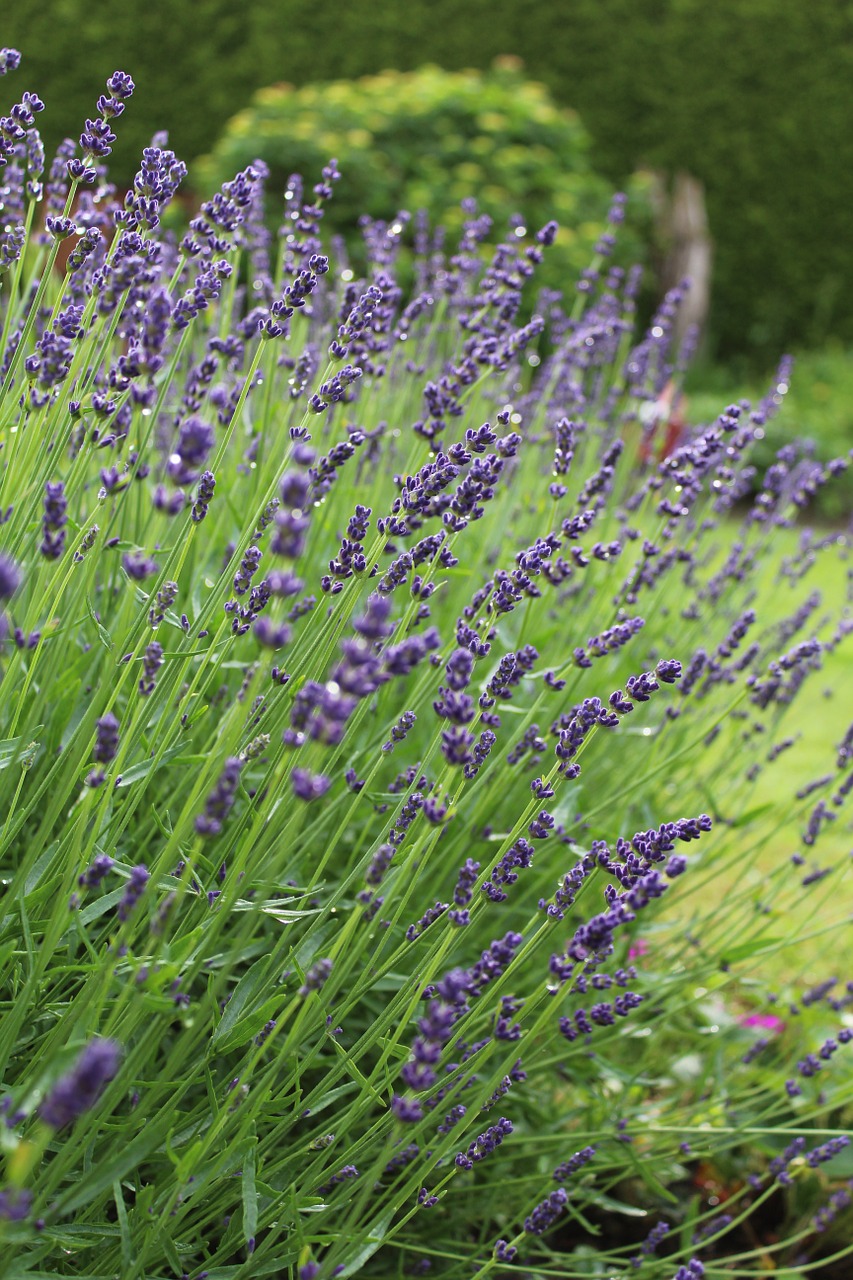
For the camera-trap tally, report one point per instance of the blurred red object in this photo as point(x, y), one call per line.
point(664, 424)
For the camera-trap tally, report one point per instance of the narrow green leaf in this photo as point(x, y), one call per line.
point(103, 635)
point(124, 1225)
point(615, 1206)
point(100, 908)
point(20, 1271)
point(372, 1242)
point(332, 1096)
point(39, 868)
point(251, 983)
point(171, 1253)
point(246, 1028)
point(751, 814)
point(137, 772)
point(747, 949)
point(250, 1195)
point(652, 1181)
point(356, 1075)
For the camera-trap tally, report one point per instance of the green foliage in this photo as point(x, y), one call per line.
point(428, 139)
point(746, 94)
point(193, 67)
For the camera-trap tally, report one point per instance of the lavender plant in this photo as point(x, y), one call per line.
point(387, 886)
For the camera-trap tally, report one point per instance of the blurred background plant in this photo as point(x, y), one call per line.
point(428, 140)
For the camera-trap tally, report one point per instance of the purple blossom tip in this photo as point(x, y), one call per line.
point(15, 1203)
point(10, 59)
point(79, 1089)
point(10, 578)
point(139, 877)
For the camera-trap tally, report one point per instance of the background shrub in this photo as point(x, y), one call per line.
point(429, 139)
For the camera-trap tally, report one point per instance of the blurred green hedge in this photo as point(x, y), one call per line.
point(751, 96)
point(427, 139)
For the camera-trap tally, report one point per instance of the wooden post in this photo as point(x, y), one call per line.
point(688, 251)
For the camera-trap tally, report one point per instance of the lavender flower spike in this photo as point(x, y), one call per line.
point(54, 520)
point(316, 977)
point(546, 1212)
point(15, 1204)
point(221, 799)
point(152, 661)
point(106, 746)
point(139, 877)
point(10, 578)
point(9, 60)
point(77, 1092)
point(204, 496)
point(106, 743)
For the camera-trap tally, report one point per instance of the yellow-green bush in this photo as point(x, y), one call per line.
point(429, 139)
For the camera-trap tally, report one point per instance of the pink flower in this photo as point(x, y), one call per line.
point(640, 948)
point(766, 1021)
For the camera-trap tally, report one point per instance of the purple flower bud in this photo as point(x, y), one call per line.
point(316, 976)
point(309, 786)
point(221, 799)
point(15, 1204)
point(54, 520)
point(152, 661)
point(272, 635)
point(171, 504)
point(120, 85)
point(106, 738)
point(139, 877)
point(409, 1110)
point(10, 578)
point(10, 59)
point(195, 441)
point(60, 227)
point(546, 1212)
point(139, 566)
point(78, 1090)
point(204, 496)
point(100, 867)
point(247, 570)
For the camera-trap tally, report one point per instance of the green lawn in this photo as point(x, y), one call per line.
point(818, 719)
